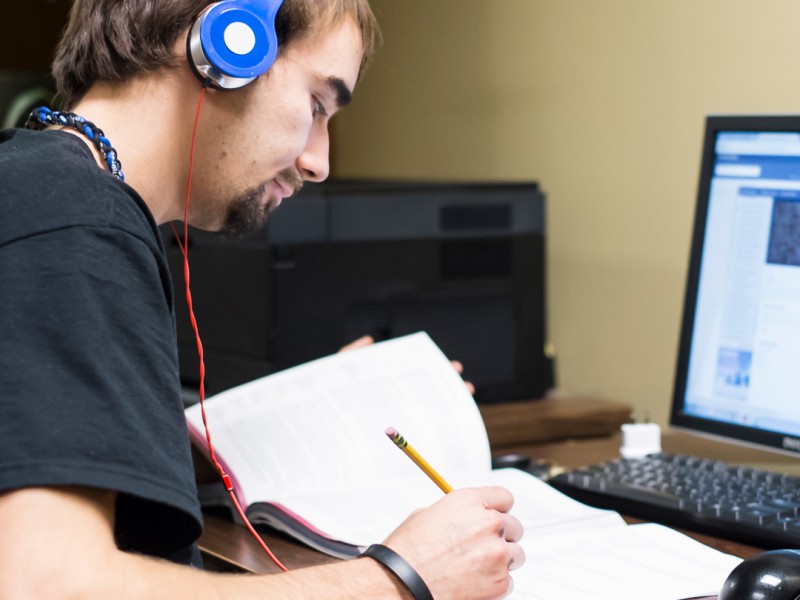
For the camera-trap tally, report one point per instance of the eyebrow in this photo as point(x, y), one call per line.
point(343, 94)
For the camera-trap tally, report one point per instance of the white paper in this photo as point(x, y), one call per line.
point(312, 440)
point(636, 562)
point(321, 425)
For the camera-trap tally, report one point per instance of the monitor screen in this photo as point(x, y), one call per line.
point(738, 372)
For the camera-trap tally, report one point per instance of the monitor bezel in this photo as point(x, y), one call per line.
point(714, 125)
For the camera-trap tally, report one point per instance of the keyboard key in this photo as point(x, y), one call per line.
point(759, 517)
point(741, 503)
point(768, 507)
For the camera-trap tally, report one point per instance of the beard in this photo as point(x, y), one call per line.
point(246, 214)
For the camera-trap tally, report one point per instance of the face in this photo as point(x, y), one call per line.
point(256, 146)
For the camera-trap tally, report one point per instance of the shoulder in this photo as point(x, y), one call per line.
point(50, 181)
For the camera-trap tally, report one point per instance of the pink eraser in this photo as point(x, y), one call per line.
point(391, 432)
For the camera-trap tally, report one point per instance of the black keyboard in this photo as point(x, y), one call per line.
point(743, 504)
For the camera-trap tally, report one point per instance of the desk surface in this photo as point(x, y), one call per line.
point(226, 545)
point(556, 417)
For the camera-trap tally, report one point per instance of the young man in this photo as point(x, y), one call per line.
point(96, 478)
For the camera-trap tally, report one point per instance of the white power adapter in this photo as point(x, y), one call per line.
point(640, 439)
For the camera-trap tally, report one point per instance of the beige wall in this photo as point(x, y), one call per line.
point(602, 102)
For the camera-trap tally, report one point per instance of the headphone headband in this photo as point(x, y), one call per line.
point(234, 41)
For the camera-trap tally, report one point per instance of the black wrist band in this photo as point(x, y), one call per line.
point(404, 571)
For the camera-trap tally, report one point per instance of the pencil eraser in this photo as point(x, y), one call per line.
point(640, 439)
point(391, 432)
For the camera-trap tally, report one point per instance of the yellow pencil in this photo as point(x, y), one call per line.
point(401, 443)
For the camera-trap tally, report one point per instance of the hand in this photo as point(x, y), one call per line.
point(363, 341)
point(463, 546)
point(460, 369)
point(368, 340)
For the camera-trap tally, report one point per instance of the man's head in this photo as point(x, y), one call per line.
point(256, 145)
point(112, 41)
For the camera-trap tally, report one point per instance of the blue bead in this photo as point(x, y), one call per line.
point(80, 124)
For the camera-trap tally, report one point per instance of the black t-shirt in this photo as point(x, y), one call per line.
point(89, 388)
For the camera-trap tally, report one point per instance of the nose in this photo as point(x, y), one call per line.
point(314, 161)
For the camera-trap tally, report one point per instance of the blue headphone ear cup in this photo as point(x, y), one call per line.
point(233, 42)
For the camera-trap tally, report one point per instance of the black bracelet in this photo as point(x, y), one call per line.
point(404, 571)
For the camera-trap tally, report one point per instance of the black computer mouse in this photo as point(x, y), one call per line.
point(772, 575)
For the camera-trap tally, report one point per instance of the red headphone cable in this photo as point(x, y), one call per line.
point(185, 252)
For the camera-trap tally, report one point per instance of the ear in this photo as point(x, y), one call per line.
point(232, 42)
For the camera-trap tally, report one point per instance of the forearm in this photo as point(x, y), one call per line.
point(142, 577)
point(58, 543)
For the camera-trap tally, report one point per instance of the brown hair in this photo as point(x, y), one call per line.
point(115, 40)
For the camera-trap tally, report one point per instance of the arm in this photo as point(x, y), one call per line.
point(58, 543)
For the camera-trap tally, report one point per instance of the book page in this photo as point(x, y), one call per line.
point(311, 440)
point(320, 426)
point(541, 508)
point(367, 514)
point(626, 563)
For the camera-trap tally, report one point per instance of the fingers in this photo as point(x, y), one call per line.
point(495, 497)
point(459, 367)
point(512, 529)
point(516, 556)
point(510, 585)
point(368, 340)
point(465, 544)
point(500, 501)
point(361, 342)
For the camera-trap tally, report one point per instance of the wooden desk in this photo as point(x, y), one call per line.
point(227, 546)
point(557, 417)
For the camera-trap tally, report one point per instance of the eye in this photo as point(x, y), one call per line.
point(318, 108)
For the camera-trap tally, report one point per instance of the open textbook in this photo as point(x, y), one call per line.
point(306, 452)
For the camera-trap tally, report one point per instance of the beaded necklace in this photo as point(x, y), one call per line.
point(43, 116)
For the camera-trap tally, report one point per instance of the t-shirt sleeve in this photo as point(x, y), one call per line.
point(89, 387)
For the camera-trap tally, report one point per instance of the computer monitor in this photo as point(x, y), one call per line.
point(463, 261)
point(738, 371)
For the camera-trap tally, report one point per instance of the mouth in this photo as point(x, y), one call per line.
point(283, 190)
point(273, 193)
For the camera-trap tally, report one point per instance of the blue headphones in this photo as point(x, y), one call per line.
point(234, 41)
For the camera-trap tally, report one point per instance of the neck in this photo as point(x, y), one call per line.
point(149, 122)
